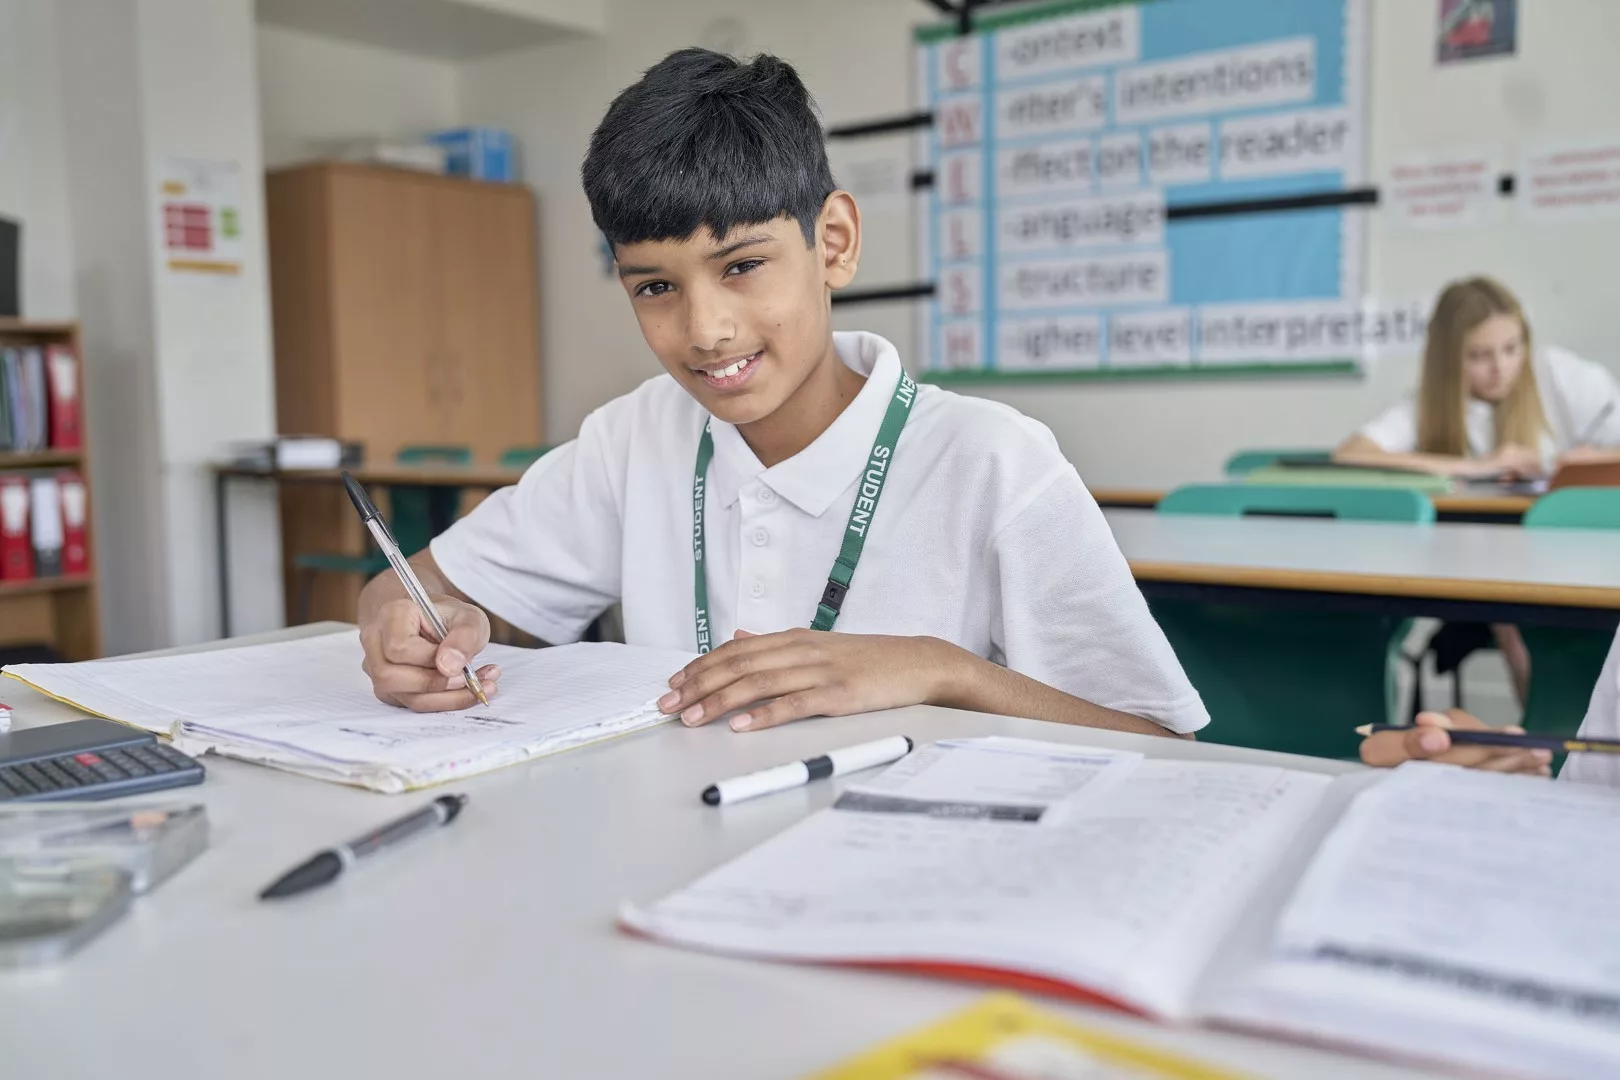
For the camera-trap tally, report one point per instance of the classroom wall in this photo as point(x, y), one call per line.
point(32, 185)
point(215, 373)
point(855, 55)
point(316, 92)
point(177, 366)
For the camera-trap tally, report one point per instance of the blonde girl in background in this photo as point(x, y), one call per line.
point(1490, 405)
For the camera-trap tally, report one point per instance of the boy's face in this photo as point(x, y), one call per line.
point(742, 320)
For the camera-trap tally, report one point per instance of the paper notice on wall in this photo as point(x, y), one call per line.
point(1440, 192)
point(199, 210)
point(1571, 181)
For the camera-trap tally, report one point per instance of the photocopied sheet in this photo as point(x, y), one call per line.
point(1456, 915)
point(306, 705)
point(1092, 867)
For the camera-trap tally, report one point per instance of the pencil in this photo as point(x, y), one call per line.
point(1597, 422)
point(1555, 743)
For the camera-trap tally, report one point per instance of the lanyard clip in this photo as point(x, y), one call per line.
point(833, 595)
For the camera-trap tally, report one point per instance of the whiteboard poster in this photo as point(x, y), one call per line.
point(1111, 181)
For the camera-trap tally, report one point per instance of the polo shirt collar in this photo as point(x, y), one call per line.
point(816, 476)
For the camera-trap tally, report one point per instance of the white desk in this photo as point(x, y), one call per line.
point(488, 950)
point(1568, 576)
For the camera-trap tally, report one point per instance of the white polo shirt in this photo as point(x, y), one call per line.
point(984, 536)
point(1574, 392)
point(1602, 722)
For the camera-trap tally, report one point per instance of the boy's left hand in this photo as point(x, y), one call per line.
point(800, 673)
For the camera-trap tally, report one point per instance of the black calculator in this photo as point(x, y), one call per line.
point(89, 759)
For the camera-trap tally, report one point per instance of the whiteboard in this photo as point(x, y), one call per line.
point(1115, 190)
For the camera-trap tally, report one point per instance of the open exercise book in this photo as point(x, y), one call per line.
point(306, 706)
point(1431, 912)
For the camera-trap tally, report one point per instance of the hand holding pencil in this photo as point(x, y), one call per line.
point(1457, 738)
point(419, 650)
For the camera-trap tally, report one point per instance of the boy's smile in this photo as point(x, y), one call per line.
point(730, 374)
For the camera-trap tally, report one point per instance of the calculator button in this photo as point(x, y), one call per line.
point(80, 774)
point(57, 773)
point(87, 760)
point(35, 775)
point(153, 762)
point(127, 763)
point(173, 756)
point(59, 776)
point(19, 783)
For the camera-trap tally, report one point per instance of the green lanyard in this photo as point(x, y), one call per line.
point(860, 517)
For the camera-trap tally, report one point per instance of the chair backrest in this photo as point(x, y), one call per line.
point(1576, 508)
point(519, 457)
point(418, 513)
point(1586, 474)
point(1245, 461)
point(1265, 500)
point(434, 455)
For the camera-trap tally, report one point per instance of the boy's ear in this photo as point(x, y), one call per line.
point(839, 239)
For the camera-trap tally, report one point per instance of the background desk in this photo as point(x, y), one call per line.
point(488, 949)
point(1481, 573)
point(477, 477)
point(1480, 506)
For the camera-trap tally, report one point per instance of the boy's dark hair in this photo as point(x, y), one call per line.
point(705, 139)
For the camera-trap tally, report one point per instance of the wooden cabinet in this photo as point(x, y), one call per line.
point(406, 312)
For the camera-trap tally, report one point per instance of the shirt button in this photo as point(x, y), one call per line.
point(757, 589)
point(766, 495)
point(761, 537)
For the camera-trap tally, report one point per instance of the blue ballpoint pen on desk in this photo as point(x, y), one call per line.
point(407, 576)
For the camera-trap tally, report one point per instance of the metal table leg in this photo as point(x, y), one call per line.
point(222, 541)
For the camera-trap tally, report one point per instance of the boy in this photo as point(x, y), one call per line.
point(1429, 742)
point(987, 578)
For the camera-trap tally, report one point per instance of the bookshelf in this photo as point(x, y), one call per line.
point(42, 459)
point(62, 613)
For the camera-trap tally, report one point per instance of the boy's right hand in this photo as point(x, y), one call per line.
point(408, 669)
point(1428, 741)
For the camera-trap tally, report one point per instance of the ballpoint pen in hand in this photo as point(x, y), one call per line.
point(1591, 431)
point(407, 576)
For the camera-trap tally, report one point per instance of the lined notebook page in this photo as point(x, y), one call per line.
point(1459, 915)
point(306, 703)
point(1120, 880)
point(319, 673)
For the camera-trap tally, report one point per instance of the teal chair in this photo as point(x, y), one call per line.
point(521, 457)
point(1565, 661)
point(1296, 681)
point(416, 514)
point(1246, 461)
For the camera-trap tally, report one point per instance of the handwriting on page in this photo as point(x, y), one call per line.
point(1130, 890)
point(1468, 871)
